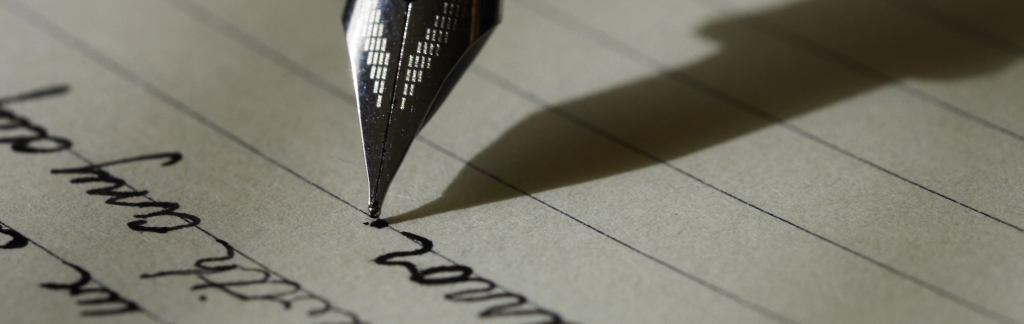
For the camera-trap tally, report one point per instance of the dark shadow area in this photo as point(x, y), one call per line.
point(668, 118)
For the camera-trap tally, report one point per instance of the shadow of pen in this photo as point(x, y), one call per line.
point(662, 118)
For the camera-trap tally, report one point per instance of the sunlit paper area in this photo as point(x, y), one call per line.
point(655, 161)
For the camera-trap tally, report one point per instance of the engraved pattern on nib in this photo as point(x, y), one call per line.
point(407, 57)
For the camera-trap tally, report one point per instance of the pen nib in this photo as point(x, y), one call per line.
point(374, 207)
point(406, 56)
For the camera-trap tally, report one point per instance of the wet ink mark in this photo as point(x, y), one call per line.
point(378, 223)
point(104, 300)
point(511, 304)
point(96, 173)
point(255, 282)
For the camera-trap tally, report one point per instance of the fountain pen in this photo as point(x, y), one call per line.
point(406, 57)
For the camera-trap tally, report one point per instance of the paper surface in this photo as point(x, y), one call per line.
point(657, 161)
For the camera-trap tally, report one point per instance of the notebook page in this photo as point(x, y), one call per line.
point(713, 161)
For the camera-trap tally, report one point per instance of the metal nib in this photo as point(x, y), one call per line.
point(406, 57)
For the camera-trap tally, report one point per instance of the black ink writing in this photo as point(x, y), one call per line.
point(21, 134)
point(102, 300)
point(96, 173)
point(16, 240)
point(511, 304)
point(26, 137)
point(253, 282)
point(107, 301)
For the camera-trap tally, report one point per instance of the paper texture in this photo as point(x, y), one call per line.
point(656, 161)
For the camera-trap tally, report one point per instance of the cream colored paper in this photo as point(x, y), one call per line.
point(657, 161)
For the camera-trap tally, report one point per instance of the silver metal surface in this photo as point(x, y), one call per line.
point(406, 57)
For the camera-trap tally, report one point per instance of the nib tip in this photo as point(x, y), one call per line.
point(374, 209)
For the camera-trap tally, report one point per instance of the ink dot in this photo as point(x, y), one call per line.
point(202, 298)
point(378, 223)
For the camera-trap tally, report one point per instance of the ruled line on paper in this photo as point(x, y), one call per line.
point(924, 284)
point(851, 64)
point(613, 44)
point(555, 15)
point(692, 277)
point(938, 17)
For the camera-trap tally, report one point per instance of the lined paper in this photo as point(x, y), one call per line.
point(656, 161)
